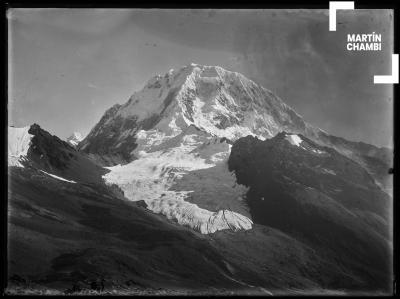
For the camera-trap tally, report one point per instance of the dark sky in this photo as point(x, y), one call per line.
point(67, 66)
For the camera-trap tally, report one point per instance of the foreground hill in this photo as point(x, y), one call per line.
point(320, 197)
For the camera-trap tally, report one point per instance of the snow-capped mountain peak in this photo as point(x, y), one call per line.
point(222, 103)
point(183, 123)
point(75, 138)
point(180, 123)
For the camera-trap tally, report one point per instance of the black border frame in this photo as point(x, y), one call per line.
point(273, 4)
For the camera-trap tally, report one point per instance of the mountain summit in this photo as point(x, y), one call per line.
point(210, 98)
point(221, 103)
point(74, 139)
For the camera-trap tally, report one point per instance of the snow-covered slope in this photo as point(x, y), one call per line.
point(75, 138)
point(19, 141)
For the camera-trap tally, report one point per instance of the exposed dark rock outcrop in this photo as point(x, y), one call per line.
point(317, 195)
point(51, 154)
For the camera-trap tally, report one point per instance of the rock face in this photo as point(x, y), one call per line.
point(377, 161)
point(36, 148)
point(318, 196)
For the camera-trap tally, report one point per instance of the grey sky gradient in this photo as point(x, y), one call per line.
point(67, 66)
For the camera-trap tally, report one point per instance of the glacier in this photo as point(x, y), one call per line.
point(150, 176)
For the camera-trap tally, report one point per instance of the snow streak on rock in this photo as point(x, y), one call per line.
point(57, 177)
point(19, 141)
point(297, 141)
point(294, 139)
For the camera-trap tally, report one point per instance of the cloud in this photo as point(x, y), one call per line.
point(93, 86)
